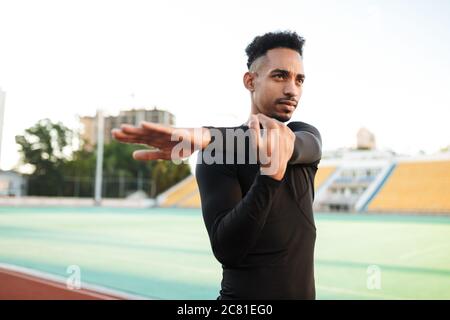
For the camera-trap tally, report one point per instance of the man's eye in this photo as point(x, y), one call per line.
point(279, 76)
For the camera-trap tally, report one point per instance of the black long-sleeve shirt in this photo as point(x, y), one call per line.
point(262, 230)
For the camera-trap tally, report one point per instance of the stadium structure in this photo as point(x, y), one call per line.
point(363, 179)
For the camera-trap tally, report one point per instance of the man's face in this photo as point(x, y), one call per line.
point(277, 81)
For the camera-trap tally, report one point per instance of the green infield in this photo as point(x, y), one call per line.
point(165, 253)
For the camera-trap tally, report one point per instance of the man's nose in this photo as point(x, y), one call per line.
point(291, 89)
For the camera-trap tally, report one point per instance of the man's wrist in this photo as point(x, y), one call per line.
point(268, 171)
point(199, 137)
point(206, 137)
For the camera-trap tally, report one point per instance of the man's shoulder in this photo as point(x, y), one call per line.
point(303, 126)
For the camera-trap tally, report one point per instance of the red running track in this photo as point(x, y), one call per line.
point(19, 285)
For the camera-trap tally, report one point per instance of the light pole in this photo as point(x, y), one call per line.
point(99, 165)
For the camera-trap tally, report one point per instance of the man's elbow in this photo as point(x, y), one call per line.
point(307, 148)
point(318, 151)
point(228, 258)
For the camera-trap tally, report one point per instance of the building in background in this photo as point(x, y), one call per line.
point(365, 140)
point(12, 184)
point(361, 180)
point(134, 116)
point(2, 112)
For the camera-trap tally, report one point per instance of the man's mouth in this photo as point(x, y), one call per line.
point(289, 105)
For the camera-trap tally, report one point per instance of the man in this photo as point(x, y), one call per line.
point(258, 214)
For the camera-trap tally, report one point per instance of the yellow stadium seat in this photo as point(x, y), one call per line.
point(415, 187)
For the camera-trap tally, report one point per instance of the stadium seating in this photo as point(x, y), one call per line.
point(179, 193)
point(323, 173)
point(415, 187)
point(186, 195)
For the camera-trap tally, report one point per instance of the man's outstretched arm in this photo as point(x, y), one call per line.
point(234, 223)
point(164, 138)
point(307, 144)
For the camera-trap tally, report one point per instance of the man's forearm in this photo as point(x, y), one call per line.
point(237, 231)
point(233, 222)
point(307, 148)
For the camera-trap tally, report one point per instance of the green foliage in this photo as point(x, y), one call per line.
point(46, 146)
point(62, 171)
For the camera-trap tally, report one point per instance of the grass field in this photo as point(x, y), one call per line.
point(165, 253)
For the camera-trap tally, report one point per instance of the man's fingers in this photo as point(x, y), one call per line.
point(132, 130)
point(255, 135)
point(147, 130)
point(156, 127)
point(120, 135)
point(145, 155)
point(267, 140)
point(126, 138)
point(254, 125)
point(267, 123)
point(148, 133)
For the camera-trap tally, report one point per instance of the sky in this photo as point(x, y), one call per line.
point(382, 65)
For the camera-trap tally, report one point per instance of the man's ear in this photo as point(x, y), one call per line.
point(249, 81)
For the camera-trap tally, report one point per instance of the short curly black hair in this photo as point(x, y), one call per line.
point(282, 39)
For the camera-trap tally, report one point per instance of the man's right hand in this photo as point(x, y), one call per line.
point(274, 147)
point(164, 138)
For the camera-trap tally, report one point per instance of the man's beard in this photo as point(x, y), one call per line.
point(279, 118)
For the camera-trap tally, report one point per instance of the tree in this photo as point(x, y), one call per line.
point(46, 146)
point(161, 175)
point(61, 170)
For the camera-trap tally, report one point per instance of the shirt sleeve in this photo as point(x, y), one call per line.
point(307, 145)
point(233, 222)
